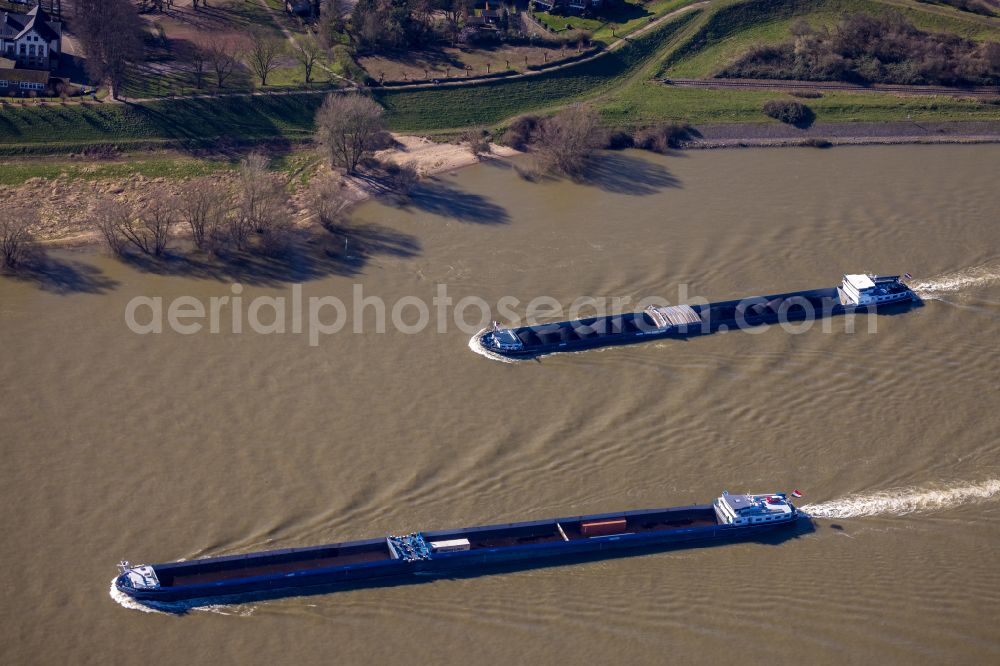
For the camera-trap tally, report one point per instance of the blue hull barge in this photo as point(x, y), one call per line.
point(470, 550)
point(858, 293)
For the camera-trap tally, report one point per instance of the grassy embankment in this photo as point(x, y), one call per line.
point(722, 33)
point(619, 84)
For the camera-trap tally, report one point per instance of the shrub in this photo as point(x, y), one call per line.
point(16, 239)
point(877, 49)
point(520, 132)
point(204, 205)
point(788, 111)
point(327, 197)
point(805, 94)
point(108, 216)
point(662, 138)
point(816, 143)
point(620, 140)
point(262, 207)
point(565, 142)
point(478, 141)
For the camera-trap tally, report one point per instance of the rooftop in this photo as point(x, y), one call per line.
point(859, 281)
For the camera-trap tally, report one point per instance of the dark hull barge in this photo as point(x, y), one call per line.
point(545, 542)
point(860, 294)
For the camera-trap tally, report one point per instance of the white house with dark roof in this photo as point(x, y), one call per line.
point(32, 40)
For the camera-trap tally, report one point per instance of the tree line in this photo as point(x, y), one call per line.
point(872, 49)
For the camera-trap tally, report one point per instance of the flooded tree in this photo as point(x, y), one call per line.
point(204, 205)
point(478, 141)
point(262, 207)
point(565, 142)
point(326, 198)
point(17, 243)
point(145, 227)
point(347, 127)
point(109, 216)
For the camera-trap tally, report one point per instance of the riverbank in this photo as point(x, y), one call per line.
point(67, 196)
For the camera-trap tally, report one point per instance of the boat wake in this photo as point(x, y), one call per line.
point(478, 348)
point(903, 501)
point(178, 608)
point(950, 283)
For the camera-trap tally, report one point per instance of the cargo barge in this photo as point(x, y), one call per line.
point(859, 293)
point(474, 549)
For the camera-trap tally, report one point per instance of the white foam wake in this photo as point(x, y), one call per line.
point(178, 608)
point(950, 283)
point(902, 501)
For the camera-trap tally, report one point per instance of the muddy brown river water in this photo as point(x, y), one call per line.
point(165, 446)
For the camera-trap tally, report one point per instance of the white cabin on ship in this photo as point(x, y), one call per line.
point(738, 510)
point(863, 289)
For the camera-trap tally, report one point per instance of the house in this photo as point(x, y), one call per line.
point(32, 40)
point(565, 6)
point(299, 7)
point(24, 82)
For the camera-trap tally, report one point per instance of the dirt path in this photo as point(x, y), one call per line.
point(890, 89)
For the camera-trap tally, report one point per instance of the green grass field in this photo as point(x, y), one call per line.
point(643, 105)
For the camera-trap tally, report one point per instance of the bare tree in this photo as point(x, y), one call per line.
point(149, 231)
point(347, 126)
point(262, 205)
point(477, 139)
point(566, 141)
point(307, 51)
point(262, 56)
point(110, 33)
point(327, 198)
point(196, 59)
point(109, 216)
point(204, 205)
point(223, 56)
point(146, 227)
point(16, 239)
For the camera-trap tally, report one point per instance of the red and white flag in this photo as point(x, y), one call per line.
point(796, 493)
